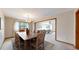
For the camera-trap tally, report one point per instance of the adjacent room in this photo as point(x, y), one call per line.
point(38, 29)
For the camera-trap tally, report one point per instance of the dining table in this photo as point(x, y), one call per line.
point(26, 38)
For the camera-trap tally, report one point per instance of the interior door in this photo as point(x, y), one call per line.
point(77, 29)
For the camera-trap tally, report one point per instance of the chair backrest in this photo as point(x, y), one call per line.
point(17, 41)
point(40, 37)
point(27, 31)
point(44, 32)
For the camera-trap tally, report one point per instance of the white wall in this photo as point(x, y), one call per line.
point(9, 27)
point(66, 27)
point(2, 29)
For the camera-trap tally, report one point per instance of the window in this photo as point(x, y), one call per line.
point(16, 26)
point(21, 25)
point(46, 25)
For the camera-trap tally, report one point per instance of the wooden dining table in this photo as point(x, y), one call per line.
point(27, 38)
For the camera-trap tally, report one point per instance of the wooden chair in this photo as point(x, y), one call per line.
point(21, 43)
point(38, 43)
point(17, 41)
point(27, 31)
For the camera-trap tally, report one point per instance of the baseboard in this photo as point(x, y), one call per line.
point(65, 42)
point(9, 37)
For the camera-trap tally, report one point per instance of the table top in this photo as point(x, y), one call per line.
point(24, 36)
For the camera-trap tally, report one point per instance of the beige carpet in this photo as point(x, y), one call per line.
point(48, 45)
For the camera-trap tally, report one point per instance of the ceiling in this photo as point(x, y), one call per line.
point(24, 13)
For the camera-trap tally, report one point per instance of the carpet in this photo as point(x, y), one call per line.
point(48, 45)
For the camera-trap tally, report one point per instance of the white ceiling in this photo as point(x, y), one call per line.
point(20, 13)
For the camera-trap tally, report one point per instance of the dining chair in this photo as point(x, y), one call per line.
point(21, 43)
point(17, 41)
point(38, 43)
point(27, 31)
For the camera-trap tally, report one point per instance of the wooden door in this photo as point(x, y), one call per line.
point(77, 29)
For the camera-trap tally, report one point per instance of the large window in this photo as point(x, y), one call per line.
point(46, 25)
point(21, 25)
